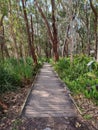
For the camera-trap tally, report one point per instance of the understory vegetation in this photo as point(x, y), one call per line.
point(55, 31)
point(16, 73)
point(79, 76)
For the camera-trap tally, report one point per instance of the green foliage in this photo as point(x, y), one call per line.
point(4, 7)
point(16, 123)
point(88, 117)
point(77, 75)
point(14, 72)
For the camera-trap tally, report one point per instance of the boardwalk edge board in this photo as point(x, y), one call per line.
point(32, 87)
point(69, 92)
point(29, 91)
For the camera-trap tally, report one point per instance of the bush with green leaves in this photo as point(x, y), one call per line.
point(77, 75)
point(14, 72)
point(8, 80)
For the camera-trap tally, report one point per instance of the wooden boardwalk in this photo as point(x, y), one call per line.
point(48, 98)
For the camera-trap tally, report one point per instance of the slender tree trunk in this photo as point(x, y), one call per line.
point(88, 32)
point(31, 47)
point(2, 43)
point(55, 33)
point(45, 20)
point(46, 50)
point(15, 48)
point(53, 36)
point(50, 48)
point(6, 51)
point(96, 38)
point(15, 42)
point(1, 35)
point(20, 48)
point(95, 28)
point(65, 49)
point(2, 39)
point(32, 40)
point(1, 20)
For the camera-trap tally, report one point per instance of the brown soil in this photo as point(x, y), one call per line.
point(14, 101)
point(88, 109)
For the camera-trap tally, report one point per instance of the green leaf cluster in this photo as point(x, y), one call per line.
point(78, 76)
point(13, 73)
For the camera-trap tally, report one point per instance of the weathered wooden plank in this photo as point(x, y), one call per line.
point(48, 98)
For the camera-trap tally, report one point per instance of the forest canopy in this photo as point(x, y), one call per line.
point(48, 28)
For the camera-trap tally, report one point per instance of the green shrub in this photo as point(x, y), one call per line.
point(78, 76)
point(8, 81)
point(14, 72)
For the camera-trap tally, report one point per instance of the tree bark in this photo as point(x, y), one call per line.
point(53, 36)
point(88, 32)
point(65, 50)
point(2, 38)
point(15, 48)
point(55, 33)
point(2, 41)
point(1, 21)
point(31, 47)
point(95, 28)
point(32, 40)
point(45, 20)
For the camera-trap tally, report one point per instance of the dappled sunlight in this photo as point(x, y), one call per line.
point(48, 97)
point(46, 71)
point(41, 93)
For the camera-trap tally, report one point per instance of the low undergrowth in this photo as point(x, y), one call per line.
point(15, 73)
point(79, 77)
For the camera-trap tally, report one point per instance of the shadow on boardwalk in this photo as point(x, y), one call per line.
point(49, 106)
point(53, 123)
point(48, 98)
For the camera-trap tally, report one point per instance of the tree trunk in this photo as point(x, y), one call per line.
point(15, 48)
point(15, 42)
point(55, 33)
point(95, 28)
point(6, 51)
point(1, 21)
point(88, 32)
point(2, 43)
point(45, 20)
point(46, 50)
point(32, 40)
point(65, 49)
point(2, 39)
point(53, 37)
point(96, 39)
point(31, 47)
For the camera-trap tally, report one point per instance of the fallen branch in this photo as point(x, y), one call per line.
point(75, 104)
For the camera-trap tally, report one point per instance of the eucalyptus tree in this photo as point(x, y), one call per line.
point(88, 30)
point(3, 13)
point(30, 38)
point(41, 40)
point(42, 27)
point(13, 26)
point(94, 8)
point(53, 34)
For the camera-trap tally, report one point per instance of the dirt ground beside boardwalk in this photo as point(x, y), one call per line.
point(10, 120)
